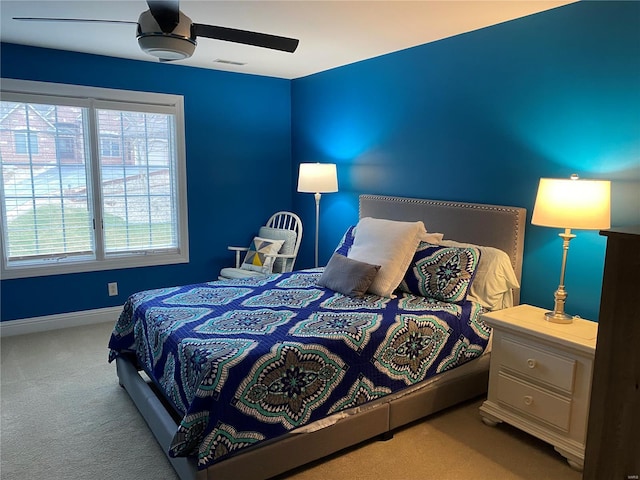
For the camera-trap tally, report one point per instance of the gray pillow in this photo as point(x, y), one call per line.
point(289, 237)
point(348, 276)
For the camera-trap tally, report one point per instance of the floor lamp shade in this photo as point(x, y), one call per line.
point(571, 203)
point(317, 178)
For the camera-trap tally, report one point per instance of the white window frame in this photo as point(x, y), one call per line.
point(37, 92)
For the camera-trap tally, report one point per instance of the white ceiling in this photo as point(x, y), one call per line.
point(331, 33)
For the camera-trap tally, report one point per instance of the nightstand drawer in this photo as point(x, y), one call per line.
point(538, 364)
point(534, 401)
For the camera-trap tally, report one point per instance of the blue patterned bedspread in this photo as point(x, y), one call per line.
point(244, 361)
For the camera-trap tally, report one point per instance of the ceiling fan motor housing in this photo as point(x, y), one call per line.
point(178, 44)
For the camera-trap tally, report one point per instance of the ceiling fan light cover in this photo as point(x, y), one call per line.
point(167, 47)
point(177, 44)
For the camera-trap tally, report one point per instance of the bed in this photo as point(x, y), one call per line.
point(240, 419)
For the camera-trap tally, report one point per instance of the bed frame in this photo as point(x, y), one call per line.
point(489, 225)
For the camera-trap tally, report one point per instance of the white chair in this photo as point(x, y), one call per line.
point(285, 226)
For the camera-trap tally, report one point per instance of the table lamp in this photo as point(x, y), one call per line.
point(570, 203)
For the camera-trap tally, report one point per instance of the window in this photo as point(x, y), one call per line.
point(66, 141)
point(110, 146)
point(26, 142)
point(103, 187)
point(66, 148)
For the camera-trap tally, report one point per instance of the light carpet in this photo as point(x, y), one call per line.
point(64, 416)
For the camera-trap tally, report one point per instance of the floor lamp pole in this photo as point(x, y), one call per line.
point(317, 196)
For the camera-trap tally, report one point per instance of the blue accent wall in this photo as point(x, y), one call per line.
point(238, 146)
point(481, 117)
point(478, 117)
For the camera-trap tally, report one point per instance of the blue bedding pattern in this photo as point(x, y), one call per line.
point(244, 361)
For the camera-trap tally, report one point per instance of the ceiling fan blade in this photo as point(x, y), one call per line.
point(48, 19)
point(249, 38)
point(166, 13)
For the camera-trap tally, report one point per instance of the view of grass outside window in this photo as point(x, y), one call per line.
point(60, 204)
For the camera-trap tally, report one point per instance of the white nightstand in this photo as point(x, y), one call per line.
point(540, 377)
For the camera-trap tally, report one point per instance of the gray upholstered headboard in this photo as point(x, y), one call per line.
point(489, 225)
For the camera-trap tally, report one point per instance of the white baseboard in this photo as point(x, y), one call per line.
point(61, 320)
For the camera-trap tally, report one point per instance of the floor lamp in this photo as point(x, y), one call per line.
point(570, 203)
point(317, 178)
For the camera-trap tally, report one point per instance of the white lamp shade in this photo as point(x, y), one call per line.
point(318, 178)
point(573, 203)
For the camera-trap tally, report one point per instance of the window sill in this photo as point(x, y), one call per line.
point(94, 265)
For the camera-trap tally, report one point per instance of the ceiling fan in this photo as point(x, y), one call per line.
point(167, 33)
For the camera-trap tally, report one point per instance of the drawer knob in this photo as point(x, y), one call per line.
point(531, 363)
point(528, 400)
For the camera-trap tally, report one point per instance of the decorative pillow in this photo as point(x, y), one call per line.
point(390, 244)
point(347, 276)
point(256, 258)
point(289, 238)
point(495, 279)
point(443, 273)
point(345, 243)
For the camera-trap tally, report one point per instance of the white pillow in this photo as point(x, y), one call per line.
point(432, 238)
point(492, 286)
point(390, 244)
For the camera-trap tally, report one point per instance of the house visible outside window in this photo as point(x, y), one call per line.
point(26, 142)
point(104, 189)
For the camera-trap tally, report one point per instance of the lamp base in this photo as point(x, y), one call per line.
point(558, 317)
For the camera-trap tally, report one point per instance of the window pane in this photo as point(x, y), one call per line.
point(137, 165)
point(44, 193)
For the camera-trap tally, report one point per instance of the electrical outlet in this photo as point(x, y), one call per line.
point(113, 289)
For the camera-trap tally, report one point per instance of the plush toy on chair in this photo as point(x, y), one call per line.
point(274, 250)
